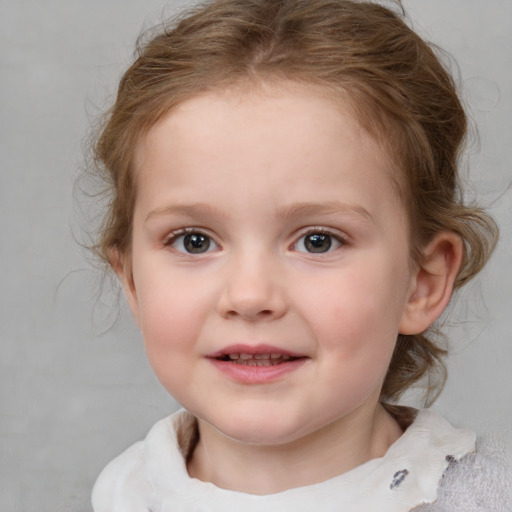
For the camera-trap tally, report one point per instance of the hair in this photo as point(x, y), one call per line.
point(394, 82)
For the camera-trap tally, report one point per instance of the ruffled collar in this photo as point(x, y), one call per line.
point(407, 476)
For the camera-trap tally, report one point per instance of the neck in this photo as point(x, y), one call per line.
point(263, 469)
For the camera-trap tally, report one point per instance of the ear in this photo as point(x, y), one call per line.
point(121, 263)
point(432, 283)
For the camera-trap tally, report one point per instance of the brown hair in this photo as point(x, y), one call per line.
point(395, 84)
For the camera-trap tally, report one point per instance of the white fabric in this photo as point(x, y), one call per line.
point(151, 476)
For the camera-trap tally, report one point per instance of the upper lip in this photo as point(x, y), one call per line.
point(242, 348)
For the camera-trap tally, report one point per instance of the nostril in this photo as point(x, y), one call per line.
point(265, 313)
point(254, 315)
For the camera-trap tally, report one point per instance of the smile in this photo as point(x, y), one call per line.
point(259, 364)
point(257, 359)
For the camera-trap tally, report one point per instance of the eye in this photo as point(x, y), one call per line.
point(317, 242)
point(193, 242)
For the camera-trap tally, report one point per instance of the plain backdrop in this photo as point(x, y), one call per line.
point(75, 386)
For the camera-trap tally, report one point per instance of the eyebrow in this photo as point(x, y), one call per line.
point(186, 210)
point(328, 208)
point(302, 209)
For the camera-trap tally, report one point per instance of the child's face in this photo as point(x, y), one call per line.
point(267, 225)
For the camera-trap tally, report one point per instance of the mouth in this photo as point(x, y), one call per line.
point(263, 359)
point(256, 364)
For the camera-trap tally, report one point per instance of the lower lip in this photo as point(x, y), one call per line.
point(248, 374)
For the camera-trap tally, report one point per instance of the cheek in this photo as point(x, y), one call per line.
point(169, 328)
point(355, 315)
point(170, 314)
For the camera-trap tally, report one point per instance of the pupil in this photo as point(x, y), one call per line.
point(196, 243)
point(318, 242)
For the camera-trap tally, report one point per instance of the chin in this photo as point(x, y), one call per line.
point(258, 430)
point(261, 437)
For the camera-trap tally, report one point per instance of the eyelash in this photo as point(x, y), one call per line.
point(341, 240)
point(182, 233)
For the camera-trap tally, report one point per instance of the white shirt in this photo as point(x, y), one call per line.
point(151, 476)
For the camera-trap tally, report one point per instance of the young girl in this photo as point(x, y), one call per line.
point(287, 224)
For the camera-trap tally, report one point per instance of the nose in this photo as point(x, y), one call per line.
point(253, 290)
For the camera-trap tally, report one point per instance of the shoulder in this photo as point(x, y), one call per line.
point(479, 482)
point(122, 484)
point(126, 483)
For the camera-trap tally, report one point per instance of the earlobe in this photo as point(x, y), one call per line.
point(432, 284)
point(121, 265)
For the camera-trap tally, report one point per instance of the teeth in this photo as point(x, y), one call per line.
point(258, 362)
point(259, 359)
point(261, 356)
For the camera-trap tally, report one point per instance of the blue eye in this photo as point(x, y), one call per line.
point(192, 243)
point(317, 243)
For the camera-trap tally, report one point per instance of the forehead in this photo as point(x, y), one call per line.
point(287, 103)
point(259, 138)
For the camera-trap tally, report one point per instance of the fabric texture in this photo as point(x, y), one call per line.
point(480, 482)
point(432, 467)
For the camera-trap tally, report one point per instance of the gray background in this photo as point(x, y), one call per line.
point(76, 391)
